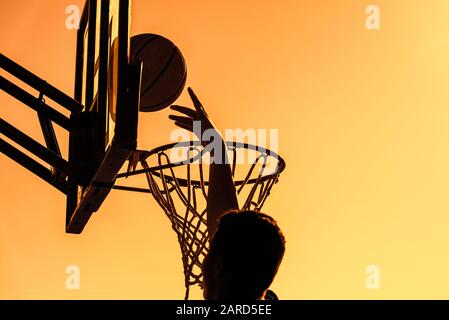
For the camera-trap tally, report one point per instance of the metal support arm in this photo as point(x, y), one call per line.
point(50, 154)
point(33, 166)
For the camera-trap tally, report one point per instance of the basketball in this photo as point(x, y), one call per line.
point(164, 71)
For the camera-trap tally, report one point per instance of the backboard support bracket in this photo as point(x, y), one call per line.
point(49, 154)
point(102, 124)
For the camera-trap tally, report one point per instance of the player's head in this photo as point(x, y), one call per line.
point(244, 256)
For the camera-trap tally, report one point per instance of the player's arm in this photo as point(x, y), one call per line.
point(222, 194)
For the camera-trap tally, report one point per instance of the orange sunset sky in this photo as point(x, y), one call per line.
point(363, 124)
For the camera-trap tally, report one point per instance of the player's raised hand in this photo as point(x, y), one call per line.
point(189, 115)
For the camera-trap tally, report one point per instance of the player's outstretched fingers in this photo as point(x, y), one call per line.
point(196, 102)
point(187, 111)
point(186, 120)
point(184, 126)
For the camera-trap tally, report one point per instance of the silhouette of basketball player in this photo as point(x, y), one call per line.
point(246, 248)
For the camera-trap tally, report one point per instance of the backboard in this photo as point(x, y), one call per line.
point(106, 84)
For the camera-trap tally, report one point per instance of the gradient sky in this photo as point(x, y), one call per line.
point(363, 125)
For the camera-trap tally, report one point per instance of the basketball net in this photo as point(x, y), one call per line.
point(184, 198)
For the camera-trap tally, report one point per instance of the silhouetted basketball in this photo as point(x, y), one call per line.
point(164, 71)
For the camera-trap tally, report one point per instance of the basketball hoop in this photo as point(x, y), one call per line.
point(178, 182)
